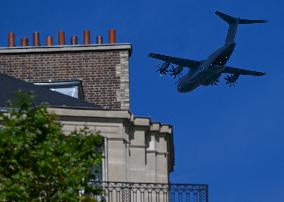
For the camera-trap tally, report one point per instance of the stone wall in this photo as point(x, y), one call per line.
point(136, 150)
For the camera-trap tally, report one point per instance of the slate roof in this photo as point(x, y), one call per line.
point(10, 85)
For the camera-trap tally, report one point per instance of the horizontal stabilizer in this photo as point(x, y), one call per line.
point(232, 20)
point(245, 21)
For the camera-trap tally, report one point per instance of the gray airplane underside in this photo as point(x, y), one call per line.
point(207, 72)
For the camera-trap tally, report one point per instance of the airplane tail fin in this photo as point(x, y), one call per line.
point(232, 20)
point(233, 25)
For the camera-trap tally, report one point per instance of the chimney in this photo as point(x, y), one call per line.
point(74, 40)
point(61, 38)
point(87, 38)
point(25, 41)
point(49, 41)
point(36, 39)
point(11, 39)
point(100, 39)
point(111, 36)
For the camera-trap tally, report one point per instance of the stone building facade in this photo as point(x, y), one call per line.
point(136, 150)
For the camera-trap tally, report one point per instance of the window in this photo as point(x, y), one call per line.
point(71, 88)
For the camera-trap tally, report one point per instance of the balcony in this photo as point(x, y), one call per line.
point(150, 192)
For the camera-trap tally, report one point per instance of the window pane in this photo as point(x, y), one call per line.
point(70, 88)
point(71, 91)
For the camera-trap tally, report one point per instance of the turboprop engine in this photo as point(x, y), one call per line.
point(176, 71)
point(164, 68)
point(231, 79)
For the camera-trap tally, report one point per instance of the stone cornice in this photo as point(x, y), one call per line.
point(66, 48)
point(91, 113)
point(113, 114)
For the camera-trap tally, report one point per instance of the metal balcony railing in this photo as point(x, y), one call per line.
point(150, 192)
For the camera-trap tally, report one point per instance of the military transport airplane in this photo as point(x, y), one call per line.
point(207, 72)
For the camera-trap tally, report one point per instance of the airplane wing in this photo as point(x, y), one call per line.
point(233, 70)
point(174, 60)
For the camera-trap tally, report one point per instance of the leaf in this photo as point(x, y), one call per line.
point(37, 161)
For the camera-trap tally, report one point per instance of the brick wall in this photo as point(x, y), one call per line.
point(104, 72)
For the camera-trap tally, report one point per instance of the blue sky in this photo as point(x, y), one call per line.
point(229, 138)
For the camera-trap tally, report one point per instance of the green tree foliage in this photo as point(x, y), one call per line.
point(38, 162)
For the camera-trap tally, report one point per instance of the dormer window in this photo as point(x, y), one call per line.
point(71, 88)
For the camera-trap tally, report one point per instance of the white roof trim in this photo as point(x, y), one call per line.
point(65, 48)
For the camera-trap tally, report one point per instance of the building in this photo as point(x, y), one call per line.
point(88, 85)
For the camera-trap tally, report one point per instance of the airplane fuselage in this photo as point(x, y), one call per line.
point(205, 73)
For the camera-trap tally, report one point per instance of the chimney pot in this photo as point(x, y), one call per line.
point(112, 36)
point(36, 39)
point(100, 39)
point(49, 41)
point(25, 41)
point(11, 39)
point(87, 37)
point(74, 40)
point(61, 38)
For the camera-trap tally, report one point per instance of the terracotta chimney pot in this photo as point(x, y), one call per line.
point(61, 38)
point(36, 39)
point(25, 41)
point(100, 39)
point(11, 39)
point(87, 37)
point(74, 40)
point(112, 36)
point(49, 41)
